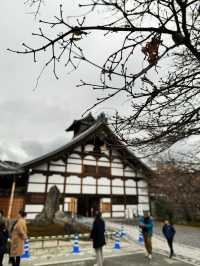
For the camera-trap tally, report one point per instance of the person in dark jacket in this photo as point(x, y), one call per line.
point(3, 241)
point(169, 232)
point(98, 237)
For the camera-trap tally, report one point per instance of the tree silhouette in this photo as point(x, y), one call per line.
point(164, 35)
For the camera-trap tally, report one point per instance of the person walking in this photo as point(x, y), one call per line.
point(146, 224)
point(169, 232)
point(98, 237)
point(3, 241)
point(18, 236)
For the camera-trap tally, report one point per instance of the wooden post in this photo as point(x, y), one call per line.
point(11, 198)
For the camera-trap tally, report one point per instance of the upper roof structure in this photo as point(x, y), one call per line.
point(10, 168)
point(84, 130)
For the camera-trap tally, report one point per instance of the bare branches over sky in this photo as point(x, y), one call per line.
point(155, 63)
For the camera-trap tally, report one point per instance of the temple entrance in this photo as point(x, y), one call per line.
point(88, 205)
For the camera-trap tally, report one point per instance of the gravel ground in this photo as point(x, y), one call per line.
point(186, 235)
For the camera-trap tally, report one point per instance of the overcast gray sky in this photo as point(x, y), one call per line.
point(32, 122)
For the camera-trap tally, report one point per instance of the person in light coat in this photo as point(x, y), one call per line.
point(18, 236)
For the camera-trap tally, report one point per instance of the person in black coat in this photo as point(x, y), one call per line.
point(3, 241)
point(169, 232)
point(98, 237)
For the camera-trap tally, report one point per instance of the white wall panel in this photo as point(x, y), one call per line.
point(89, 189)
point(103, 190)
point(89, 147)
point(129, 172)
point(73, 179)
point(89, 180)
point(117, 190)
point(118, 207)
point(89, 160)
point(31, 216)
point(118, 214)
point(74, 168)
point(142, 191)
point(42, 167)
point(38, 178)
point(142, 183)
point(117, 171)
point(130, 183)
point(76, 189)
point(116, 163)
point(36, 187)
point(104, 181)
point(143, 199)
point(60, 162)
point(117, 182)
point(57, 168)
point(106, 215)
point(103, 161)
point(106, 200)
point(59, 186)
point(57, 179)
point(131, 191)
point(33, 207)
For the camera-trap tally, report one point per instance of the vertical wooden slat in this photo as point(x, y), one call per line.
point(11, 198)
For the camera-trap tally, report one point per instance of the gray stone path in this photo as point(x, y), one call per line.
point(183, 252)
point(184, 234)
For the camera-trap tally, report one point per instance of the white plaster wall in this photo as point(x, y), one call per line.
point(73, 179)
point(36, 187)
point(104, 181)
point(59, 186)
point(37, 178)
point(131, 191)
point(142, 191)
point(33, 207)
point(118, 207)
point(116, 163)
point(117, 190)
point(142, 183)
point(103, 161)
point(89, 189)
point(106, 215)
point(89, 180)
point(57, 179)
point(129, 172)
point(130, 183)
point(117, 182)
point(89, 147)
point(57, 168)
point(117, 171)
point(31, 216)
point(103, 190)
point(143, 199)
point(74, 168)
point(106, 200)
point(89, 160)
point(60, 162)
point(76, 189)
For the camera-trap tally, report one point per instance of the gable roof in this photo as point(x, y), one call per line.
point(100, 124)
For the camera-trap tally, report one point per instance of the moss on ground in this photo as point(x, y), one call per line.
point(56, 229)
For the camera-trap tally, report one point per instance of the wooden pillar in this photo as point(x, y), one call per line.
point(12, 195)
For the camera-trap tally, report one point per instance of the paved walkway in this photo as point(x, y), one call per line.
point(183, 252)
